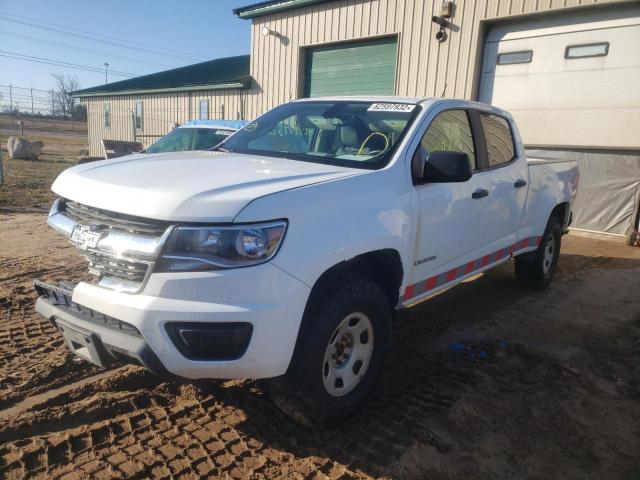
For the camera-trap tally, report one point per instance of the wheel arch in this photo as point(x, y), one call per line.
point(562, 211)
point(383, 267)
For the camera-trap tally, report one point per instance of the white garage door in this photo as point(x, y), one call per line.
point(570, 80)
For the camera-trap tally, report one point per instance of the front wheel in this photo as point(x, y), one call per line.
point(339, 356)
point(538, 272)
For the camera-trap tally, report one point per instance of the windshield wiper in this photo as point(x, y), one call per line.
point(220, 149)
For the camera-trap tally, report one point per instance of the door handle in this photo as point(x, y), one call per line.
point(480, 193)
point(520, 183)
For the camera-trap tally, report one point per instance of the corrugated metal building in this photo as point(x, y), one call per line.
point(569, 71)
point(145, 108)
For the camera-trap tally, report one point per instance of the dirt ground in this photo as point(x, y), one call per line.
point(486, 381)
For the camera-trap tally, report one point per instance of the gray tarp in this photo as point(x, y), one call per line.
point(609, 191)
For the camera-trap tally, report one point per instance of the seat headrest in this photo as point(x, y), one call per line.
point(349, 136)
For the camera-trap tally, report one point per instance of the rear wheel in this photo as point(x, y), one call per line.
point(537, 272)
point(339, 356)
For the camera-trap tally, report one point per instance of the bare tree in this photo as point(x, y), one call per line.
point(80, 113)
point(64, 101)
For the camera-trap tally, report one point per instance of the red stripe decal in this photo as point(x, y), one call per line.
point(451, 275)
point(468, 268)
point(430, 284)
point(408, 293)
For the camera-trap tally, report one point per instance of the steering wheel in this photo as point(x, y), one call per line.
point(366, 140)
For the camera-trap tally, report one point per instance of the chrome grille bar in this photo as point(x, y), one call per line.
point(112, 266)
point(85, 215)
point(125, 247)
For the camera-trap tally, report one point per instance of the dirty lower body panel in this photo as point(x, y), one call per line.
point(93, 336)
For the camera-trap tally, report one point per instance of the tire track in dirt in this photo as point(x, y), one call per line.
point(125, 426)
point(33, 356)
point(133, 425)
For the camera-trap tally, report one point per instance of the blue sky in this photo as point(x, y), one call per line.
point(181, 32)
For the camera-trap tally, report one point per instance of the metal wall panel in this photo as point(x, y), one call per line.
point(425, 67)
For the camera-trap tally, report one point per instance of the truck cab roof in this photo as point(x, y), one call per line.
point(366, 98)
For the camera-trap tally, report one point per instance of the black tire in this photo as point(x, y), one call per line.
point(537, 272)
point(301, 392)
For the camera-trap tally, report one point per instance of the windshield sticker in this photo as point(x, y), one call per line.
point(250, 126)
point(223, 132)
point(391, 107)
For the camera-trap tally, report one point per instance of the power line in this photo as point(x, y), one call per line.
point(63, 62)
point(59, 63)
point(155, 50)
point(25, 88)
point(49, 42)
point(129, 42)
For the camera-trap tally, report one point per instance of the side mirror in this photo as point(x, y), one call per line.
point(418, 163)
point(447, 167)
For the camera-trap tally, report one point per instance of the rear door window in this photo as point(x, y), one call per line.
point(499, 139)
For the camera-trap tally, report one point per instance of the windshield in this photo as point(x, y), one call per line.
point(187, 138)
point(346, 133)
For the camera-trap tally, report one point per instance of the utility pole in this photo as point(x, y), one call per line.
point(33, 121)
point(106, 72)
point(11, 102)
point(53, 105)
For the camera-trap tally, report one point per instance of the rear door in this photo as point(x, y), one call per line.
point(507, 175)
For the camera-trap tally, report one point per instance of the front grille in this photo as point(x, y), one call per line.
point(131, 270)
point(85, 215)
point(120, 248)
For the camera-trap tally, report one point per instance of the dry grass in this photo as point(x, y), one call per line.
point(27, 184)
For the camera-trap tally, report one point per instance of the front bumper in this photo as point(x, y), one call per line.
point(264, 296)
point(95, 341)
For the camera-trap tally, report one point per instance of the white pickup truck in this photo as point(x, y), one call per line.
point(283, 254)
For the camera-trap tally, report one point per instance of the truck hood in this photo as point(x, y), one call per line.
point(188, 186)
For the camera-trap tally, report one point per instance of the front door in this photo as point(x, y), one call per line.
point(461, 227)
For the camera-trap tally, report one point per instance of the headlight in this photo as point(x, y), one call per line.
point(211, 248)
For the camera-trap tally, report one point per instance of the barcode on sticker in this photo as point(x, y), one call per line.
point(223, 132)
point(390, 107)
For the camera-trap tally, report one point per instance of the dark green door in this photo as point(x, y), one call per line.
point(354, 68)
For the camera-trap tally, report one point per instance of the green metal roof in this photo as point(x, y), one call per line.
point(273, 6)
point(230, 72)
